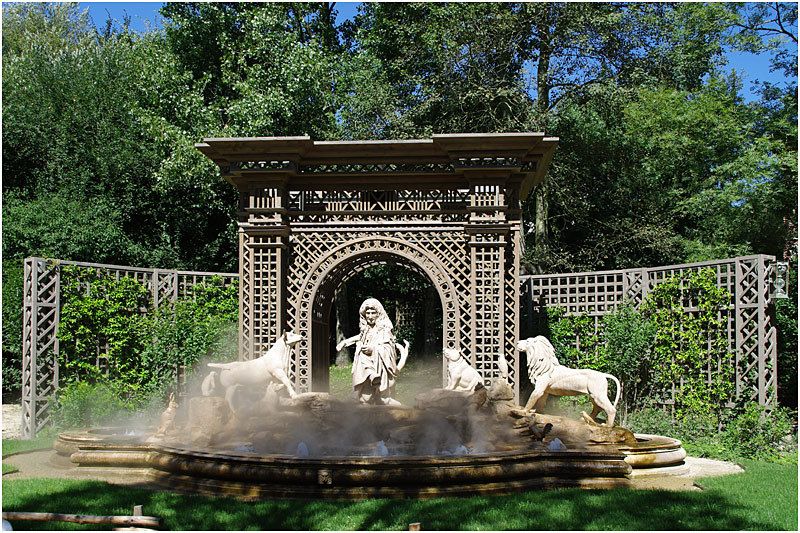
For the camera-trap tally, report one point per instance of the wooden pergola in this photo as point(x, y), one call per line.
point(312, 214)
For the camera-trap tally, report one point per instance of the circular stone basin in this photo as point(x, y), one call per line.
point(654, 451)
point(254, 476)
point(69, 442)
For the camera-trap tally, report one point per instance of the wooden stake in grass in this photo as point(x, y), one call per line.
point(416, 526)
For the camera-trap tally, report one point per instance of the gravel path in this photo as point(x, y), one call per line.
point(12, 421)
point(702, 467)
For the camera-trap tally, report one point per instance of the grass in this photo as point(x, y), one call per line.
point(773, 484)
point(417, 376)
point(42, 441)
point(764, 497)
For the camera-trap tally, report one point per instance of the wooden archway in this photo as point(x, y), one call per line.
point(313, 211)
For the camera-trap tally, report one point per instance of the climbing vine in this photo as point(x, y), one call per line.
point(111, 336)
point(677, 337)
point(691, 349)
point(575, 339)
point(102, 326)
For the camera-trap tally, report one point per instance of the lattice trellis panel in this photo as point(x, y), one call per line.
point(41, 312)
point(433, 195)
point(329, 237)
point(511, 311)
point(750, 331)
point(39, 343)
point(487, 256)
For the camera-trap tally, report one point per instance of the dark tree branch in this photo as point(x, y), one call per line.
point(779, 20)
point(574, 88)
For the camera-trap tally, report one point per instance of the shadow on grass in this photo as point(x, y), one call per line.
point(566, 509)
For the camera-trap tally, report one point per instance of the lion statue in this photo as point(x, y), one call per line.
point(550, 378)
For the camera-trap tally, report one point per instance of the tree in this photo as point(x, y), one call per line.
point(266, 69)
point(431, 68)
point(98, 157)
point(420, 68)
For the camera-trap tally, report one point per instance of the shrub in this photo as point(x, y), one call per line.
point(575, 339)
point(13, 282)
point(83, 404)
point(756, 433)
point(629, 338)
point(652, 420)
point(786, 322)
point(752, 433)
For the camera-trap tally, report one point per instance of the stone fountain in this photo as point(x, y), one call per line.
point(264, 440)
point(312, 214)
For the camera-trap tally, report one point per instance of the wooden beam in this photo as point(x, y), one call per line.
point(136, 521)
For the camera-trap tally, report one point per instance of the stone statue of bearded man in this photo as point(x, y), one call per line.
point(375, 364)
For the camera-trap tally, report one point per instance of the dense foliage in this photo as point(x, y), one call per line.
point(748, 432)
point(691, 349)
point(117, 353)
point(661, 159)
point(659, 346)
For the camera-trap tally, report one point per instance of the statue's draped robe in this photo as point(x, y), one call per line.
point(381, 364)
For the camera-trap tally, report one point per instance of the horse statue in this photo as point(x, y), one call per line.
point(270, 367)
point(550, 378)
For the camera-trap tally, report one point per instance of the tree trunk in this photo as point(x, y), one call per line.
point(342, 325)
point(540, 222)
point(543, 107)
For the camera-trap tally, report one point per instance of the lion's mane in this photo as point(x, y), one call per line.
point(534, 348)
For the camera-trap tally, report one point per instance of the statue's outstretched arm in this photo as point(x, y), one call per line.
point(348, 342)
point(403, 351)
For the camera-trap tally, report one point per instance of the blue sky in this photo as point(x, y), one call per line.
point(145, 14)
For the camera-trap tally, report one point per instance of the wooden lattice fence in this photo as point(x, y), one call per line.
point(41, 314)
point(750, 328)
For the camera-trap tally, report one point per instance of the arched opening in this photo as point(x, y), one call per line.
point(315, 294)
point(357, 276)
point(414, 307)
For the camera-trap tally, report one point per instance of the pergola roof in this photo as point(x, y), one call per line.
point(526, 155)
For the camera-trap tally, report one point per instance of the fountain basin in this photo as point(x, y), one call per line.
point(254, 476)
point(655, 455)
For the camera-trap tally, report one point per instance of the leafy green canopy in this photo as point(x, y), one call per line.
point(660, 160)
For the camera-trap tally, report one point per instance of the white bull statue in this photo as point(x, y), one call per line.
point(550, 378)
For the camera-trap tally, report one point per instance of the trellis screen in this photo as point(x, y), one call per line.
point(750, 328)
point(751, 331)
point(41, 313)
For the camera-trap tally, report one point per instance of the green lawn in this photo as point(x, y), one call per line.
point(762, 498)
point(419, 375)
point(42, 441)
